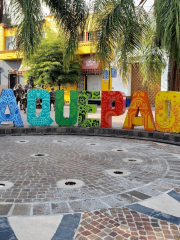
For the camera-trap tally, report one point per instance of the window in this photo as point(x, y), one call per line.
point(89, 36)
point(10, 43)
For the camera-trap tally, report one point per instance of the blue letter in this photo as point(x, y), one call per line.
point(8, 99)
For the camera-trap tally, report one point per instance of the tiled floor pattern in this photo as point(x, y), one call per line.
point(39, 228)
point(142, 205)
point(124, 224)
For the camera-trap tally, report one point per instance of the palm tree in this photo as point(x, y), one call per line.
point(167, 14)
point(1, 10)
point(70, 14)
point(129, 30)
point(122, 27)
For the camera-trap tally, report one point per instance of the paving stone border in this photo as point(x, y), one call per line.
point(140, 134)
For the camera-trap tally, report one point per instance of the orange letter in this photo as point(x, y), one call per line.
point(165, 122)
point(106, 106)
point(139, 103)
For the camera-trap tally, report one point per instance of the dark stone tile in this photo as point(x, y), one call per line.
point(67, 227)
point(4, 209)
point(128, 198)
point(21, 209)
point(41, 209)
point(174, 195)
point(6, 232)
point(59, 208)
point(139, 195)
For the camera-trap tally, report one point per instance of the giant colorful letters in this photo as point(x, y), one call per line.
point(8, 99)
point(106, 106)
point(59, 106)
point(167, 113)
point(139, 103)
point(84, 108)
point(167, 109)
point(43, 118)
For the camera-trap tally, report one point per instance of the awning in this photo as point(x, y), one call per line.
point(90, 65)
point(22, 69)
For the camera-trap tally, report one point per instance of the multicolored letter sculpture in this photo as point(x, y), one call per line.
point(8, 99)
point(163, 122)
point(140, 103)
point(84, 108)
point(43, 118)
point(59, 117)
point(106, 106)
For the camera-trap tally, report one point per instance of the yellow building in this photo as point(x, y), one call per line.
point(11, 62)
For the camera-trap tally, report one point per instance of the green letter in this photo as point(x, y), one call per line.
point(84, 108)
point(59, 118)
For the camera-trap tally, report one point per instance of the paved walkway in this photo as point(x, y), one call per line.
point(64, 187)
point(117, 122)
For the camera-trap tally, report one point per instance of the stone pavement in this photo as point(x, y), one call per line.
point(116, 121)
point(65, 187)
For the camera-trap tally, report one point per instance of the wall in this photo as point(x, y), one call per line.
point(5, 67)
point(137, 85)
point(118, 85)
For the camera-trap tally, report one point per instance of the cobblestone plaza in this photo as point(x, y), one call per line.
point(107, 185)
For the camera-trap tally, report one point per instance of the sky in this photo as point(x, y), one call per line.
point(147, 5)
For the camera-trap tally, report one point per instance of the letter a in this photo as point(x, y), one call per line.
point(140, 103)
point(8, 99)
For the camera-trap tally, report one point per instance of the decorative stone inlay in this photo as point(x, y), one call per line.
point(59, 141)
point(39, 155)
point(119, 150)
point(118, 172)
point(5, 185)
point(22, 141)
point(70, 183)
point(92, 144)
point(132, 160)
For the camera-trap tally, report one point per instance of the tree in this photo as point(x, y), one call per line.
point(142, 37)
point(46, 64)
point(71, 15)
point(122, 27)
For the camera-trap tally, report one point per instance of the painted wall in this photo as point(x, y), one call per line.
point(94, 82)
point(5, 67)
point(164, 83)
point(118, 85)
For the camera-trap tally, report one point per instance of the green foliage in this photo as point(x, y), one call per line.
point(6, 19)
point(121, 27)
point(152, 55)
point(128, 35)
point(167, 15)
point(46, 65)
point(71, 15)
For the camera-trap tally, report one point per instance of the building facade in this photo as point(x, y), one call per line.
point(92, 77)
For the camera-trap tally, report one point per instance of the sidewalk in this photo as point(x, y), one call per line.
point(117, 122)
point(65, 187)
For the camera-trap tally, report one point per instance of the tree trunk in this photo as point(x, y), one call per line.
point(169, 74)
point(173, 76)
point(1, 10)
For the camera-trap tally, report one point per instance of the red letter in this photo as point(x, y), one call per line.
point(106, 106)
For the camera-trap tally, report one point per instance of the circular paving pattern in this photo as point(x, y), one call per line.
point(85, 159)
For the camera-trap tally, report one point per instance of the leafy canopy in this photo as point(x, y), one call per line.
point(46, 64)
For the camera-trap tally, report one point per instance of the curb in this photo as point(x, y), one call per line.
point(170, 138)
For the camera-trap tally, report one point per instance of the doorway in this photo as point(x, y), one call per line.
point(12, 79)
